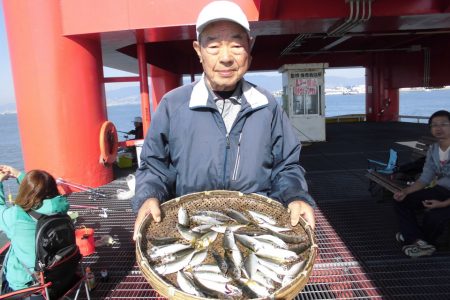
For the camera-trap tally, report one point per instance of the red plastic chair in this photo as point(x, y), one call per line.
point(42, 286)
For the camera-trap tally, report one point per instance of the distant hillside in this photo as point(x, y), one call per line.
point(272, 83)
point(8, 108)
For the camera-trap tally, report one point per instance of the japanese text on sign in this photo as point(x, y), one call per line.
point(307, 86)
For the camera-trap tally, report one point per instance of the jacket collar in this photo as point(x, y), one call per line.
point(200, 96)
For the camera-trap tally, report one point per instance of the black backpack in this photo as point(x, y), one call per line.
point(57, 254)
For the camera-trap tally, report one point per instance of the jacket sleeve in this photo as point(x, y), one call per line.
point(4, 216)
point(288, 177)
point(6, 213)
point(155, 177)
point(429, 169)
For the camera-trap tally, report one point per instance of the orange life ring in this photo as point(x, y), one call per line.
point(109, 143)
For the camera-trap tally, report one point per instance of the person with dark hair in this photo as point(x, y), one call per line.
point(221, 132)
point(434, 200)
point(37, 191)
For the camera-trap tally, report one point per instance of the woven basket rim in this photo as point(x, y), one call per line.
point(166, 289)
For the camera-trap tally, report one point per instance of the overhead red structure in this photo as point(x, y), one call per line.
point(58, 49)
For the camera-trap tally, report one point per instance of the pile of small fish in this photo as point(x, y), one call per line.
point(252, 258)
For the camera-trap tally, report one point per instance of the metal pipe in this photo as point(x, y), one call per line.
point(349, 19)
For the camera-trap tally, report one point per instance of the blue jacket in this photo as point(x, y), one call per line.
point(432, 169)
point(20, 228)
point(187, 148)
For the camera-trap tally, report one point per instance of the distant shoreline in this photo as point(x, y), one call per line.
point(337, 91)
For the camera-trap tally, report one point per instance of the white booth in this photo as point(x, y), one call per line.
point(304, 99)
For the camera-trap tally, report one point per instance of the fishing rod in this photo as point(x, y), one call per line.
point(104, 210)
point(80, 187)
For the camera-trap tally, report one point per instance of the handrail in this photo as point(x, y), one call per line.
point(417, 118)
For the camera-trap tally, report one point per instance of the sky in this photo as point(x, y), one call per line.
point(7, 86)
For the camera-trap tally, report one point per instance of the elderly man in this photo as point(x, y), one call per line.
point(221, 132)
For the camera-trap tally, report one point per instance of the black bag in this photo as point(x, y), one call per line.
point(57, 254)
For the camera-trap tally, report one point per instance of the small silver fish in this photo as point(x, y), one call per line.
point(198, 258)
point(218, 290)
point(258, 289)
point(213, 276)
point(233, 259)
point(299, 248)
point(214, 214)
point(251, 265)
point(183, 217)
point(261, 218)
point(207, 268)
point(222, 228)
point(273, 227)
point(280, 269)
point(158, 252)
point(175, 256)
point(205, 240)
point(221, 263)
point(263, 280)
point(289, 238)
point(272, 240)
point(188, 234)
point(205, 220)
point(187, 285)
point(277, 254)
point(204, 228)
point(175, 266)
point(237, 216)
point(269, 273)
point(292, 272)
point(249, 242)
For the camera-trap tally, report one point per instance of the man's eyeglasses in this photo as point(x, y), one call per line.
point(436, 125)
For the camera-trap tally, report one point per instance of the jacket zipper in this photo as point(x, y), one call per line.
point(227, 148)
point(238, 159)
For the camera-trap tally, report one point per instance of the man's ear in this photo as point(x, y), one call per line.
point(197, 46)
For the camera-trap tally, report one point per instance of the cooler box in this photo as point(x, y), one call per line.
point(124, 160)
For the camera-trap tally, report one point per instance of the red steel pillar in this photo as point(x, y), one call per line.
point(382, 101)
point(59, 93)
point(162, 82)
point(143, 80)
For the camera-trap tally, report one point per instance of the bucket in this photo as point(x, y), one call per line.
point(85, 240)
point(124, 160)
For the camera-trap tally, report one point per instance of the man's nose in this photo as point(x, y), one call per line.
point(225, 55)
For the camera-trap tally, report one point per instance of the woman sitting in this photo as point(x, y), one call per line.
point(434, 201)
point(37, 191)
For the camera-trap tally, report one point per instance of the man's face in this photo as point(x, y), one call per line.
point(440, 127)
point(223, 50)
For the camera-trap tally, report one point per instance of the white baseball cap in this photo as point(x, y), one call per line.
point(137, 120)
point(218, 11)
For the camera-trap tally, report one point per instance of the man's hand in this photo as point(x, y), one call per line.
point(400, 195)
point(150, 206)
point(433, 204)
point(302, 209)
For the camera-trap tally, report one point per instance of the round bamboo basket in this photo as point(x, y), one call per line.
point(218, 200)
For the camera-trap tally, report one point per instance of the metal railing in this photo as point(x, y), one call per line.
point(418, 119)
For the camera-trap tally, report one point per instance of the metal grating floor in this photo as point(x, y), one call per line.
point(358, 255)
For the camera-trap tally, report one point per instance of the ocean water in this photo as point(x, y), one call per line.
point(412, 103)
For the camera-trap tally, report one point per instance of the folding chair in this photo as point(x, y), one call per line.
point(41, 287)
point(384, 168)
